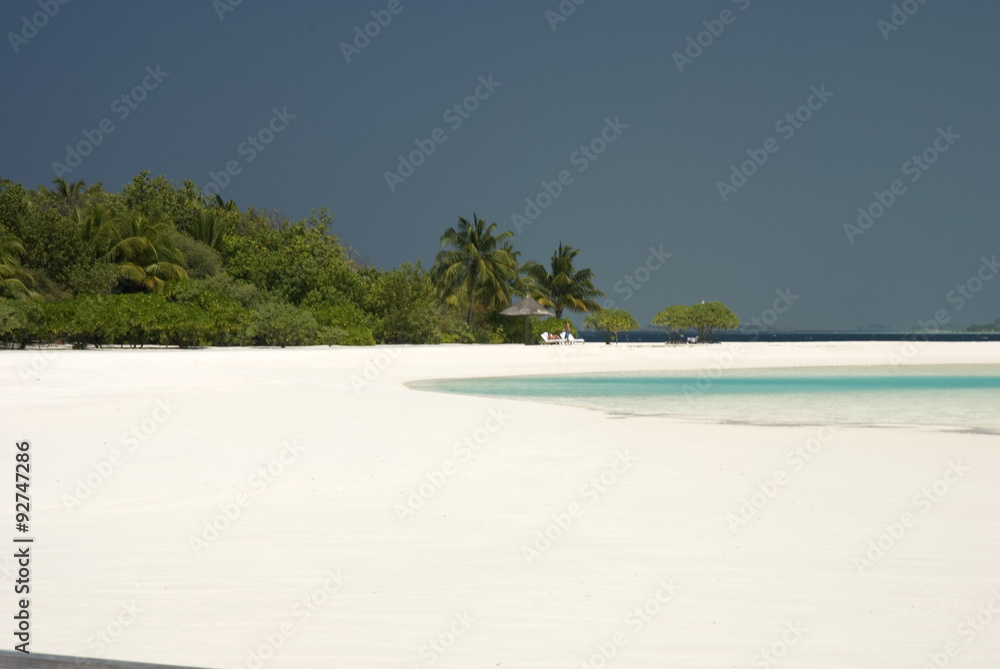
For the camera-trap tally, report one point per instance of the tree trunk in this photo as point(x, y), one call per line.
point(472, 292)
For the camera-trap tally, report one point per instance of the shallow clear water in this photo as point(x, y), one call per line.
point(949, 396)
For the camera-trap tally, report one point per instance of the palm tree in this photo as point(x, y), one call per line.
point(15, 283)
point(219, 203)
point(68, 196)
point(564, 287)
point(208, 226)
point(98, 227)
point(478, 266)
point(145, 253)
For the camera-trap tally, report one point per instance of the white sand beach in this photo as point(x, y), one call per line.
point(303, 508)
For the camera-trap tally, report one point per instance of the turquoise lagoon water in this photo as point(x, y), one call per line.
point(946, 396)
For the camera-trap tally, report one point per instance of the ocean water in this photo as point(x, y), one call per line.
point(950, 397)
point(659, 335)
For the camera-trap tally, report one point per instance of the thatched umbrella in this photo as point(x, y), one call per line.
point(527, 307)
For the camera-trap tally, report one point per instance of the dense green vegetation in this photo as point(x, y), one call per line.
point(161, 263)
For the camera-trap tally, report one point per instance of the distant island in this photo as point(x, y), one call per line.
point(989, 327)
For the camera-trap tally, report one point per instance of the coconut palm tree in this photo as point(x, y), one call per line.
point(97, 228)
point(208, 226)
point(219, 203)
point(68, 196)
point(478, 266)
point(144, 251)
point(15, 283)
point(562, 286)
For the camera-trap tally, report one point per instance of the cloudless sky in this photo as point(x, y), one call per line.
point(886, 94)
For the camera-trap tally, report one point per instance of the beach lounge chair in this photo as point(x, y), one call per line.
point(570, 339)
point(552, 339)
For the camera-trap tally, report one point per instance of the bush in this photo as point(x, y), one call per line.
point(282, 324)
point(293, 262)
point(133, 320)
point(200, 259)
point(346, 318)
point(459, 333)
point(20, 320)
point(228, 319)
point(95, 278)
point(404, 303)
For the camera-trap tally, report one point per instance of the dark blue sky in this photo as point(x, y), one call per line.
point(677, 133)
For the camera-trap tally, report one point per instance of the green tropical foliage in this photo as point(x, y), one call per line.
point(708, 317)
point(19, 320)
point(675, 318)
point(15, 283)
point(611, 321)
point(562, 286)
point(478, 268)
point(145, 253)
point(405, 305)
point(282, 324)
point(66, 196)
point(159, 263)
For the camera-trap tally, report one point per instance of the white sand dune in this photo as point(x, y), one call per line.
point(135, 454)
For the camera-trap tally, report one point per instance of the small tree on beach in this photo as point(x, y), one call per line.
point(675, 319)
point(709, 316)
point(611, 321)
